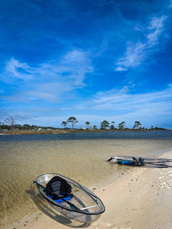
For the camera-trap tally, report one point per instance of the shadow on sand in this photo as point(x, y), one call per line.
point(47, 209)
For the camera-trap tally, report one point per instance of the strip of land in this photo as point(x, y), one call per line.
point(65, 131)
point(138, 199)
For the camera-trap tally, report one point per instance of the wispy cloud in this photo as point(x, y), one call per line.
point(79, 58)
point(121, 69)
point(124, 100)
point(116, 104)
point(124, 104)
point(133, 56)
point(156, 28)
point(49, 80)
point(137, 52)
point(19, 70)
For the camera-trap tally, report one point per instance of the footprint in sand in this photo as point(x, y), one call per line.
point(165, 181)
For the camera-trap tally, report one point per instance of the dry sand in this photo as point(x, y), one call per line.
point(139, 199)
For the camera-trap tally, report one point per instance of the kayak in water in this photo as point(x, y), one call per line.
point(69, 197)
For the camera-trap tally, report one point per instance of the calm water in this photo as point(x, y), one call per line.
point(80, 156)
point(166, 134)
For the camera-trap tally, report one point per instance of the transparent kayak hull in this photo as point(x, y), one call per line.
point(147, 161)
point(88, 206)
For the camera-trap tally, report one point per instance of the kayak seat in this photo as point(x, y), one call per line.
point(124, 162)
point(141, 160)
point(59, 188)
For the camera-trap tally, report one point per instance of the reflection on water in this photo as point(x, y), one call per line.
point(81, 160)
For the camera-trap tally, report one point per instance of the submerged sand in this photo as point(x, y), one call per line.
point(81, 160)
point(139, 198)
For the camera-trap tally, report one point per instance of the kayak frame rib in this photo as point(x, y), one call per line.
point(89, 207)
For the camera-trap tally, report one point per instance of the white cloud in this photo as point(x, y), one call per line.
point(125, 101)
point(133, 56)
point(123, 105)
point(73, 57)
point(151, 108)
point(50, 80)
point(41, 95)
point(121, 69)
point(137, 53)
point(19, 70)
point(156, 27)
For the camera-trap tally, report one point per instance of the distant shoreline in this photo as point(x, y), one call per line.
point(63, 131)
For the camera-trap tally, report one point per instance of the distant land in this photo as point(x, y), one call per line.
point(45, 130)
point(10, 127)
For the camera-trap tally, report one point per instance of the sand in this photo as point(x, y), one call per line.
point(140, 198)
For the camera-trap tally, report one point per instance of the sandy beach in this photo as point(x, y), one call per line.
point(140, 198)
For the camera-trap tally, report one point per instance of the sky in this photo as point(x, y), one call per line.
point(92, 59)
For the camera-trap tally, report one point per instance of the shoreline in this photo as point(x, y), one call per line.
point(138, 198)
point(63, 131)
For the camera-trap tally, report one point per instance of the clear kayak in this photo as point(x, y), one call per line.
point(69, 197)
point(141, 161)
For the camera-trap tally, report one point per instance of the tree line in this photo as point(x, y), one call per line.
point(9, 124)
point(105, 124)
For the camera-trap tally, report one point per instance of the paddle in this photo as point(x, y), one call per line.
point(70, 204)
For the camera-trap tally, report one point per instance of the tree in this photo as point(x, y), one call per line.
point(104, 124)
point(112, 125)
point(27, 127)
point(136, 124)
point(34, 127)
point(18, 126)
point(121, 125)
point(94, 127)
point(10, 121)
point(64, 123)
point(87, 123)
point(72, 120)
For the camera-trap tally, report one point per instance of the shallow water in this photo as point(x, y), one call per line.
point(81, 160)
point(158, 134)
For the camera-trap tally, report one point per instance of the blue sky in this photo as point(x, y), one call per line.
point(93, 59)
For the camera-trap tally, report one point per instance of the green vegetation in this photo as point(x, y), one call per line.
point(104, 124)
point(10, 126)
point(73, 120)
point(136, 124)
point(87, 123)
point(64, 123)
point(112, 127)
point(94, 127)
point(121, 125)
point(13, 127)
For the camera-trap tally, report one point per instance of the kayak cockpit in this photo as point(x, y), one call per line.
point(70, 197)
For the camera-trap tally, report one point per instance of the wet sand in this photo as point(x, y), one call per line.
point(139, 198)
